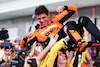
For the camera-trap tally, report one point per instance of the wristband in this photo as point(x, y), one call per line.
point(66, 8)
point(66, 39)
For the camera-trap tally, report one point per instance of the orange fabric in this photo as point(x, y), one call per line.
point(77, 37)
point(67, 64)
point(53, 26)
point(71, 7)
point(37, 53)
point(83, 65)
point(77, 49)
point(75, 34)
point(80, 49)
point(31, 37)
point(50, 29)
point(60, 16)
point(22, 44)
point(83, 45)
point(21, 55)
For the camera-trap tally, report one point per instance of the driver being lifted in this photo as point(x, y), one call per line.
point(49, 26)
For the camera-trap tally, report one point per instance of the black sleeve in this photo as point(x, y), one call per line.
point(32, 41)
point(61, 34)
point(71, 12)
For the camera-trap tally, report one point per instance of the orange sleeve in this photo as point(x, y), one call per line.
point(72, 7)
point(22, 44)
point(65, 13)
point(60, 16)
point(31, 38)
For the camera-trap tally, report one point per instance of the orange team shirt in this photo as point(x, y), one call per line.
point(53, 27)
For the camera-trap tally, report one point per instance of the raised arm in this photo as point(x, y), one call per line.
point(29, 39)
point(55, 49)
point(65, 13)
point(42, 55)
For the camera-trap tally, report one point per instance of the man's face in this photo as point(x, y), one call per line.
point(61, 58)
point(43, 19)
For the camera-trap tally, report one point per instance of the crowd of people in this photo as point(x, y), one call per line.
point(63, 45)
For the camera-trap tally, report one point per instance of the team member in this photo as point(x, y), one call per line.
point(80, 52)
point(42, 58)
point(73, 32)
point(49, 26)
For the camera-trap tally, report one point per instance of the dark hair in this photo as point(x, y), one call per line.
point(56, 59)
point(41, 9)
point(55, 63)
point(63, 50)
point(4, 34)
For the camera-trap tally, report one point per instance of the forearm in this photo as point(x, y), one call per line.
point(26, 65)
point(5, 58)
point(65, 13)
point(71, 55)
point(71, 7)
point(43, 54)
point(32, 49)
point(29, 41)
point(88, 57)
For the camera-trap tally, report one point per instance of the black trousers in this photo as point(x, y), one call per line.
point(92, 29)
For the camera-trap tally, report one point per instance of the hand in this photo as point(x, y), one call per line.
point(53, 40)
point(7, 53)
point(60, 9)
point(28, 34)
point(86, 33)
point(1, 41)
point(65, 29)
point(26, 64)
point(27, 59)
point(32, 51)
point(13, 40)
point(15, 43)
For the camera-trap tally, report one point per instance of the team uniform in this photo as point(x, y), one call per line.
point(75, 33)
point(54, 25)
point(49, 60)
point(78, 59)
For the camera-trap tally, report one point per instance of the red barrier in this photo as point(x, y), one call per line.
point(96, 44)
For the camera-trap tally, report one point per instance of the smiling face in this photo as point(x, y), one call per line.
point(43, 19)
point(61, 58)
